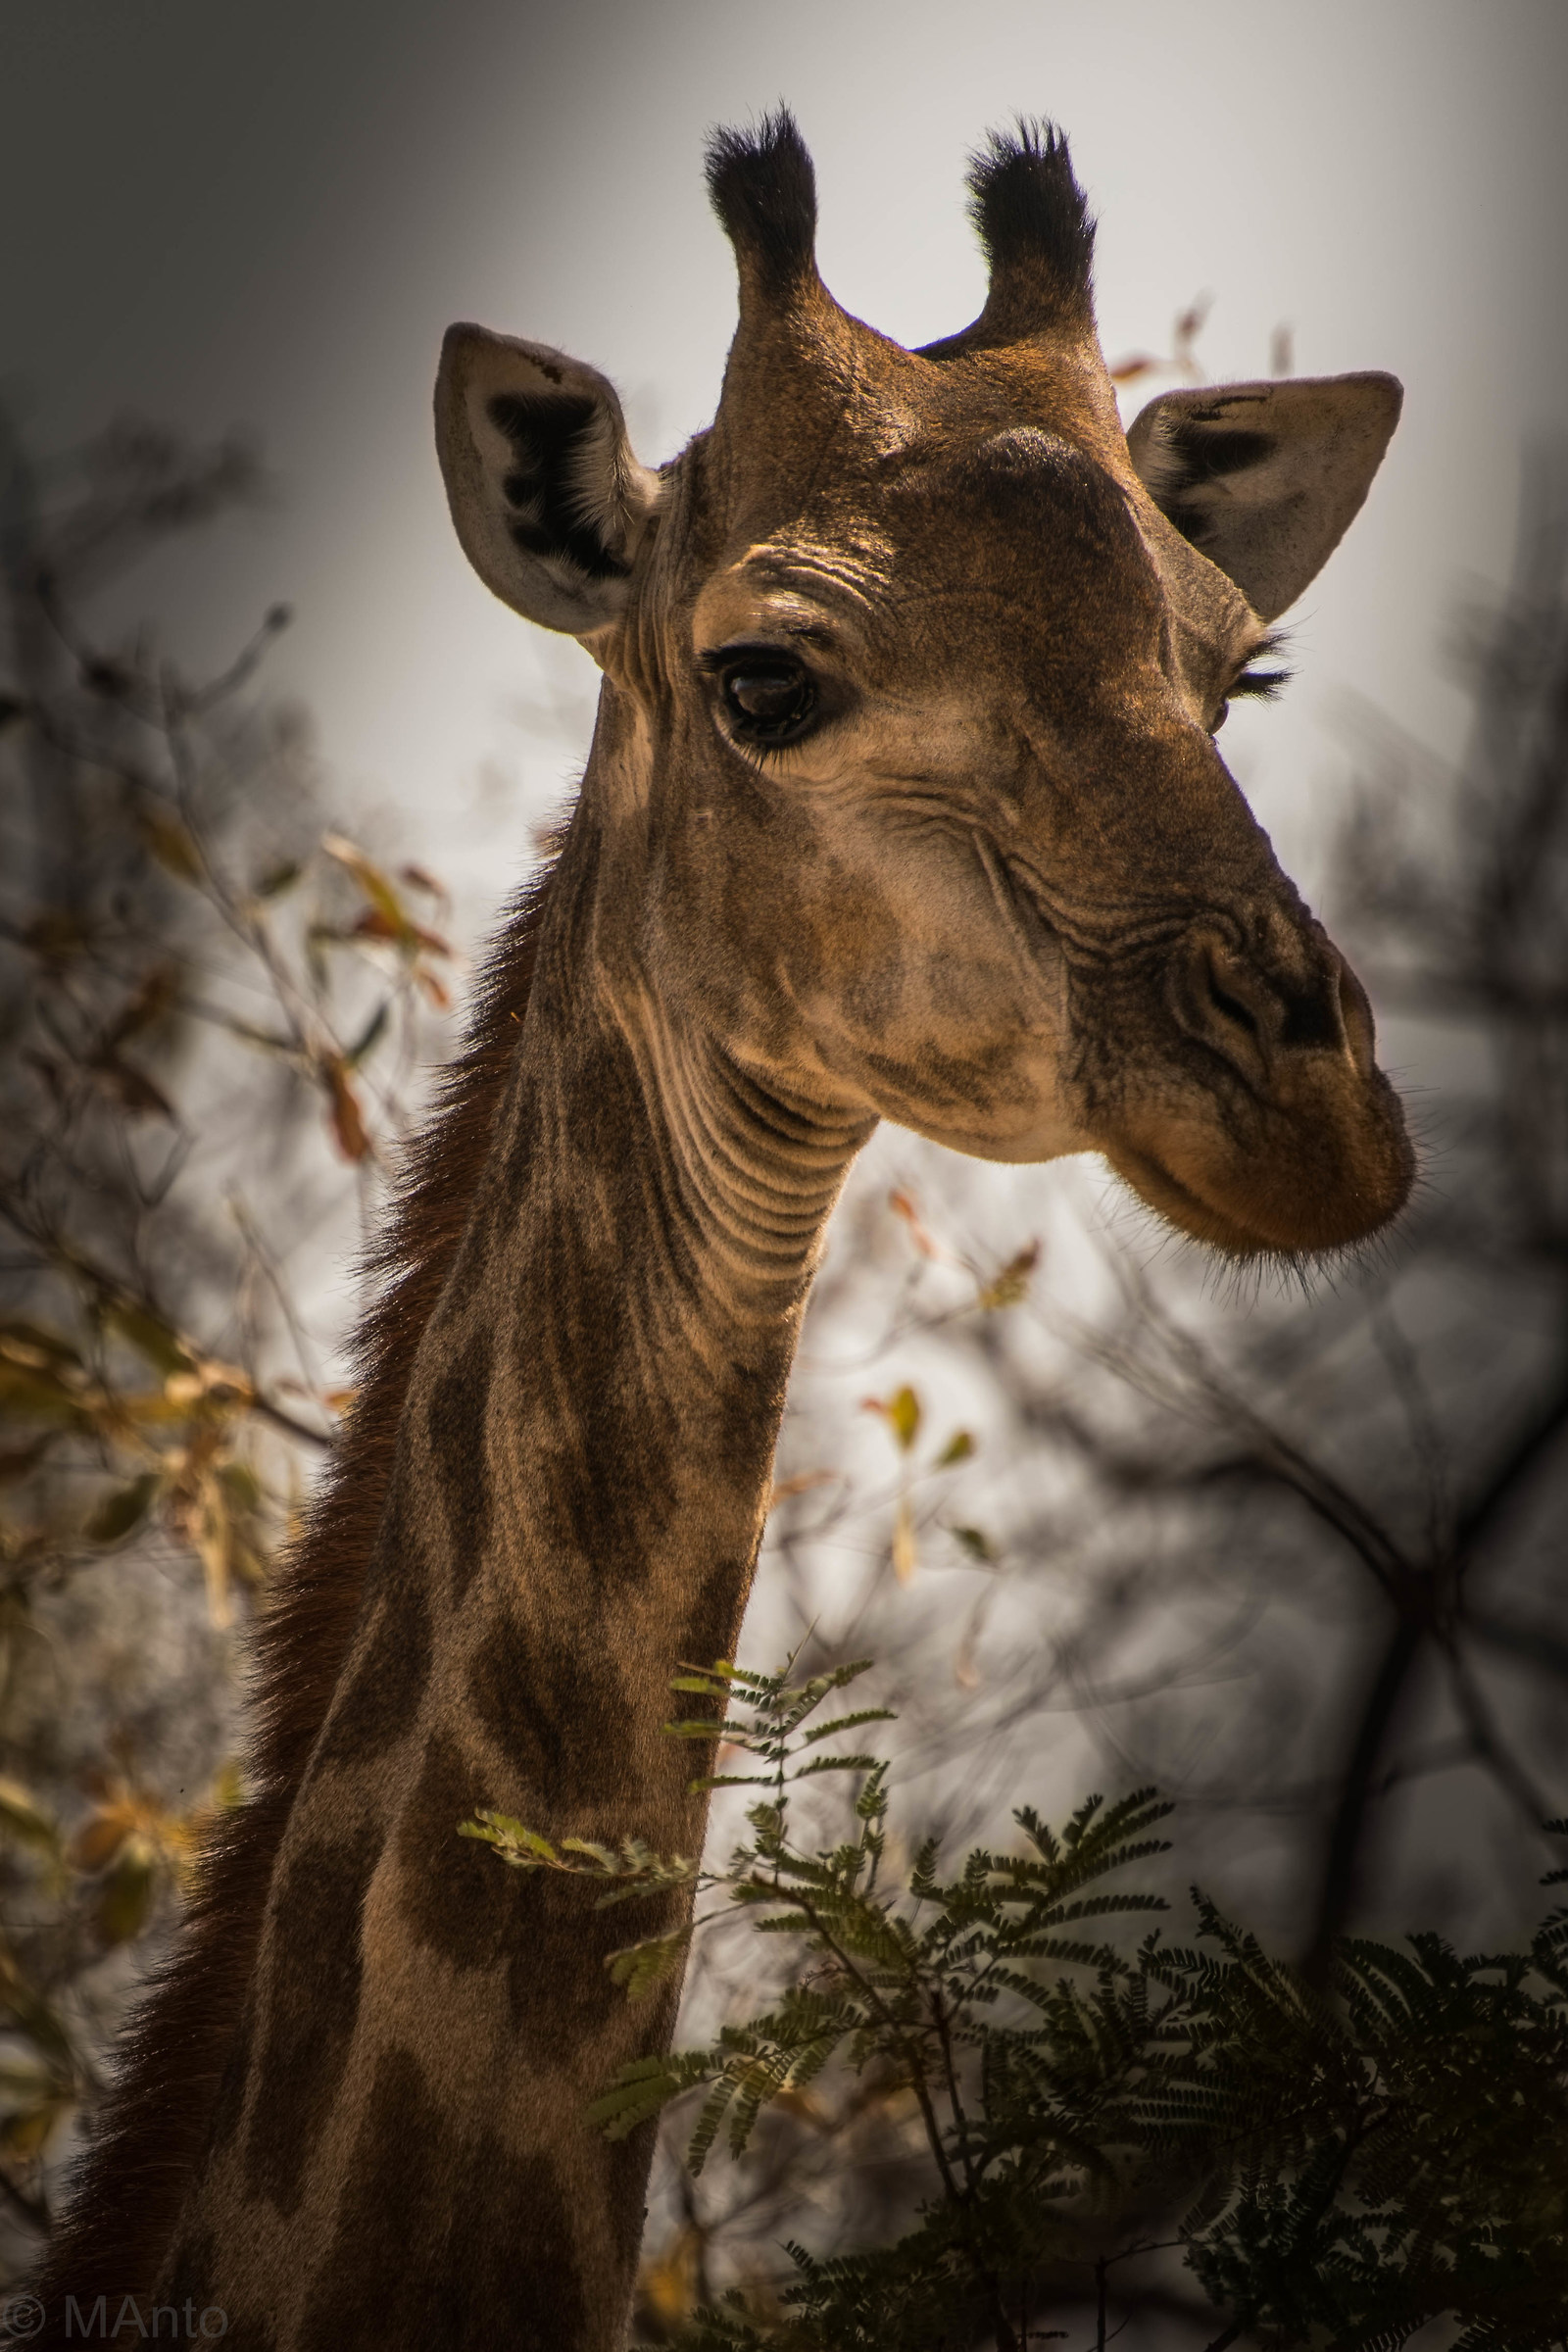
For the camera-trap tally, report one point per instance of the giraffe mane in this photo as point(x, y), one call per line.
point(133, 2177)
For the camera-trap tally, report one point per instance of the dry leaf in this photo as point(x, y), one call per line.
point(800, 1483)
point(1012, 1283)
point(348, 1121)
point(903, 1206)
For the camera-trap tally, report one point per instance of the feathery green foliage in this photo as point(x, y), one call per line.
point(1336, 2166)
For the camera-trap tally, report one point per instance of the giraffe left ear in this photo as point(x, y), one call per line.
point(1265, 478)
point(547, 500)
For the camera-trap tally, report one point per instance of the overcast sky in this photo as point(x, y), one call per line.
point(220, 212)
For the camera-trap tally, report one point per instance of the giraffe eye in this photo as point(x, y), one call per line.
point(769, 698)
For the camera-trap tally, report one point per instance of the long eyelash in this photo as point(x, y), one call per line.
point(1263, 685)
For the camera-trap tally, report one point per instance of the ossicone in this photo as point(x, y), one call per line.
point(764, 192)
point(1039, 237)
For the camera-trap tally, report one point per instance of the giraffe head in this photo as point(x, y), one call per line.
point(906, 782)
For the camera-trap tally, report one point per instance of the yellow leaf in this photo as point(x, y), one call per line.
point(903, 1542)
point(213, 1536)
point(27, 1343)
point(669, 2283)
point(24, 2136)
point(26, 1818)
point(905, 1415)
point(900, 1412)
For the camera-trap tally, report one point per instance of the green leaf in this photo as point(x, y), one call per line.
point(241, 1484)
point(512, 1840)
point(636, 2093)
point(714, 1682)
point(957, 1448)
point(369, 1036)
point(643, 1967)
point(149, 1334)
point(848, 1723)
point(120, 1512)
point(979, 1546)
point(126, 1901)
point(903, 1416)
point(604, 1855)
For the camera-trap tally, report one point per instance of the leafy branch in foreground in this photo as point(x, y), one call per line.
point(1335, 2167)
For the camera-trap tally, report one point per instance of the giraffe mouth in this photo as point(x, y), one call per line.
point(1305, 1188)
point(1164, 1193)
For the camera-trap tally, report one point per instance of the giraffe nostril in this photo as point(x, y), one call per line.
point(1225, 1005)
point(1231, 1008)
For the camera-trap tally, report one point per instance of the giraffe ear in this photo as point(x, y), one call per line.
point(1265, 478)
point(547, 500)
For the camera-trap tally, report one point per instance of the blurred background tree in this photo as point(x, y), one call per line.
point(214, 1006)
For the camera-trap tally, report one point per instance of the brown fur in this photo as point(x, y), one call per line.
point(158, 2117)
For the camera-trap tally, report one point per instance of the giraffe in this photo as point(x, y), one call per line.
point(903, 803)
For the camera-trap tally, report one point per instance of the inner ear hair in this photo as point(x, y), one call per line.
point(564, 485)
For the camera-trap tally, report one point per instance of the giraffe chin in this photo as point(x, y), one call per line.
point(1297, 1218)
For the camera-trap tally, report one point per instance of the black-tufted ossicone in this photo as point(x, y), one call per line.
point(764, 192)
point(1029, 208)
point(1039, 237)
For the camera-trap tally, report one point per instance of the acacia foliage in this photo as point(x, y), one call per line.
point(1337, 2164)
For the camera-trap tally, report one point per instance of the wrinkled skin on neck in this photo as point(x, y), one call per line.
point(1003, 890)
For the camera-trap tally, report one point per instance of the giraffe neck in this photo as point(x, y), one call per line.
point(400, 2154)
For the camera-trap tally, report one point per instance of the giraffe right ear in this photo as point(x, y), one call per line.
point(549, 502)
point(1265, 478)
